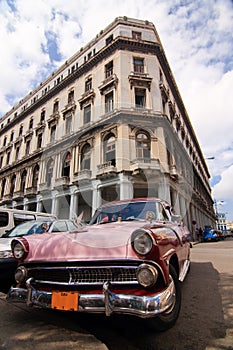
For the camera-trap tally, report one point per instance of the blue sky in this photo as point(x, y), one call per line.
point(38, 36)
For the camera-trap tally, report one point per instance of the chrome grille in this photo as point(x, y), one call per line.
point(85, 275)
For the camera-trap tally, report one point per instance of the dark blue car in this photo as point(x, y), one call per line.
point(211, 235)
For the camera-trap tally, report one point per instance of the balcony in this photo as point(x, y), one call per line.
point(108, 83)
point(106, 170)
point(140, 80)
point(31, 192)
point(82, 176)
point(164, 92)
point(88, 96)
point(70, 107)
point(144, 165)
point(63, 181)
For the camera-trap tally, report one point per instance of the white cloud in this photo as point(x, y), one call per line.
point(197, 37)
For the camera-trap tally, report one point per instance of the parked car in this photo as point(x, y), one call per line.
point(9, 218)
point(8, 264)
point(211, 234)
point(129, 260)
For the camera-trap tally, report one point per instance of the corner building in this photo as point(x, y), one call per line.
point(109, 124)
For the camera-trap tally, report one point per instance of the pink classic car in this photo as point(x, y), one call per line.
point(130, 259)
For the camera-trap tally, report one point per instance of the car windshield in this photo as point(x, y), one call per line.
point(29, 228)
point(127, 211)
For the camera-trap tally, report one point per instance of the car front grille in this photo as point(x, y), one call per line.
point(84, 275)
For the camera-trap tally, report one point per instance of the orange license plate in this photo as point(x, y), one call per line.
point(67, 301)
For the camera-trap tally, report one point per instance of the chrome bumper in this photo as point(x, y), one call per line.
point(107, 302)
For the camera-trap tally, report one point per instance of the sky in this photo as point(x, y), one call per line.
point(37, 37)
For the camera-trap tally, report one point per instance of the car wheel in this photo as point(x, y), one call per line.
point(168, 318)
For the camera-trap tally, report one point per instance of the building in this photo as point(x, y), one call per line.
point(109, 124)
point(221, 221)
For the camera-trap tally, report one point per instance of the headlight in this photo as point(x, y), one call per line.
point(141, 242)
point(20, 274)
point(147, 275)
point(19, 249)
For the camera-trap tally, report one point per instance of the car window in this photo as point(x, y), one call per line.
point(26, 228)
point(19, 218)
point(59, 227)
point(4, 219)
point(71, 226)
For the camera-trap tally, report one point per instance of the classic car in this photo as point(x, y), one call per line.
point(212, 235)
point(8, 264)
point(130, 259)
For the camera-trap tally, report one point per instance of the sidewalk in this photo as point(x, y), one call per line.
point(22, 328)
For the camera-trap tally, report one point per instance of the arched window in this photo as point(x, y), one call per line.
point(49, 173)
point(86, 157)
point(110, 149)
point(23, 180)
point(142, 145)
point(3, 187)
point(12, 188)
point(35, 176)
point(66, 165)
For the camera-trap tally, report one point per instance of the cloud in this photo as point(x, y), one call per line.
point(38, 36)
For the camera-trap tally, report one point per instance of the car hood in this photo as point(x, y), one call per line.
point(105, 241)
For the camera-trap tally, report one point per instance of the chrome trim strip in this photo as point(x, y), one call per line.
point(184, 270)
point(106, 302)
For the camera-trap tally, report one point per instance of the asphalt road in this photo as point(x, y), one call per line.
point(205, 322)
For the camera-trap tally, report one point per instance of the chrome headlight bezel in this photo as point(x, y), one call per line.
point(147, 275)
point(141, 242)
point(20, 274)
point(19, 249)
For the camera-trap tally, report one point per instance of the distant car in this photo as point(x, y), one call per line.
point(211, 235)
point(7, 263)
point(129, 260)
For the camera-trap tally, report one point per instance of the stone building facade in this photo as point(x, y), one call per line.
point(109, 124)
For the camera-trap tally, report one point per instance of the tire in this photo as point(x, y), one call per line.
point(167, 319)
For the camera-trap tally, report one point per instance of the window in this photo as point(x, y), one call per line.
point(142, 145)
point(68, 124)
point(49, 173)
point(87, 114)
point(42, 116)
point(138, 65)
point(140, 98)
point(12, 136)
point(4, 141)
point(109, 69)
point(12, 186)
point(21, 130)
point(28, 144)
point(17, 152)
point(88, 84)
point(3, 188)
point(86, 157)
point(137, 35)
point(66, 165)
point(1, 161)
point(109, 39)
point(8, 157)
point(31, 123)
point(39, 141)
point(109, 102)
point(55, 107)
point(35, 176)
point(52, 133)
point(23, 181)
point(71, 96)
point(109, 149)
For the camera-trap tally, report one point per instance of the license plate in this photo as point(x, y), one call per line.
point(67, 301)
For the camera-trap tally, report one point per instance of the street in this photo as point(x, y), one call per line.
point(205, 322)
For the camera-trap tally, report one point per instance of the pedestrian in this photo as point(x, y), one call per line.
point(200, 234)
